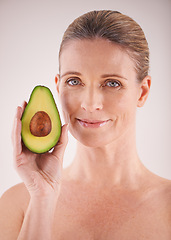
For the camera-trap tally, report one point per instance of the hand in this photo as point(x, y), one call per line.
point(41, 173)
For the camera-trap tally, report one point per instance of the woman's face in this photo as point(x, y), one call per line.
point(98, 91)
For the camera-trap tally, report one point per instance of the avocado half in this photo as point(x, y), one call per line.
point(41, 124)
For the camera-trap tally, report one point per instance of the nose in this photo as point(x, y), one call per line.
point(92, 100)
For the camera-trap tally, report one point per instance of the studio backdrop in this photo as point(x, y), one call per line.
point(31, 32)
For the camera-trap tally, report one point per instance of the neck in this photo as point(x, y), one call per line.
point(115, 164)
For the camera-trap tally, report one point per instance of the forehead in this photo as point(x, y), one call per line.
point(95, 54)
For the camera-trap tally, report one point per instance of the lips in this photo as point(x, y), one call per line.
point(92, 123)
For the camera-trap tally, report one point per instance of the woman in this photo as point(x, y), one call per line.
point(106, 193)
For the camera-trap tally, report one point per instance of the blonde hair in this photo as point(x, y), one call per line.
point(115, 27)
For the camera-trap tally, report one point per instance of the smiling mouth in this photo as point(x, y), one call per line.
point(92, 123)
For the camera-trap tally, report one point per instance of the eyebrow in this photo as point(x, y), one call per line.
point(113, 75)
point(102, 76)
point(70, 73)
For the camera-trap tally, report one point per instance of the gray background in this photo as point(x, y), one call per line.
point(30, 34)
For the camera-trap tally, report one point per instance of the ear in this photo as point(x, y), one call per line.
point(144, 91)
point(57, 78)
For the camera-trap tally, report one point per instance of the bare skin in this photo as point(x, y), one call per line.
point(86, 212)
point(106, 193)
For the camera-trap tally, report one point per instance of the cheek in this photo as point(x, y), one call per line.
point(65, 101)
point(115, 103)
point(122, 105)
point(69, 104)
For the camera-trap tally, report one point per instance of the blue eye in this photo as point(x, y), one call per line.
point(113, 84)
point(73, 81)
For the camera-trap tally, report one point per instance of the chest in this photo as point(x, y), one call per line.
point(109, 218)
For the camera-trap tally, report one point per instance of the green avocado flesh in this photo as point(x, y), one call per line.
point(41, 124)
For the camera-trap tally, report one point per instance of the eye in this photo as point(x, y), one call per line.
point(73, 81)
point(112, 83)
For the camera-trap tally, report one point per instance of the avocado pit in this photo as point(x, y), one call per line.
point(40, 124)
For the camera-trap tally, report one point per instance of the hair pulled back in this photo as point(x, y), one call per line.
point(115, 27)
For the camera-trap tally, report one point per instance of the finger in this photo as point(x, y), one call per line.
point(19, 112)
point(17, 132)
point(59, 149)
point(18, 115)
point(64, 134)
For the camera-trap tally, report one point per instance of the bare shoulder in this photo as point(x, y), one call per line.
point(163, 196)
point(165, 187)
point(161, 187)
point(16, 195)
point(13, 204)
point(166, 191)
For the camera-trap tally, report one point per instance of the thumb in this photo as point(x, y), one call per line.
point(59, 149)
